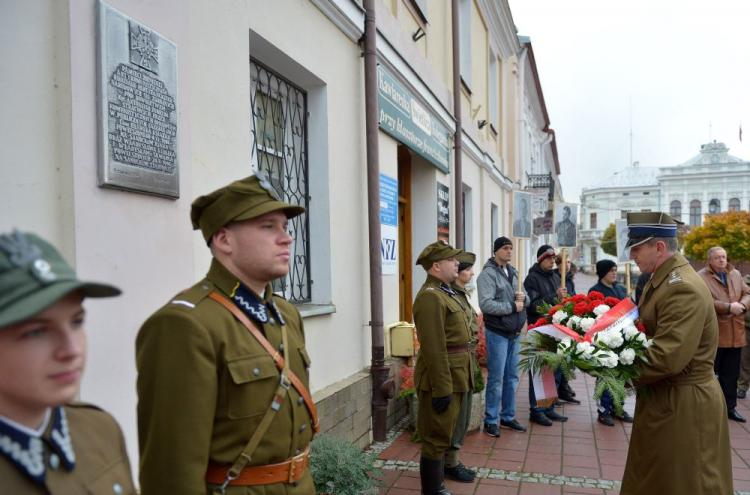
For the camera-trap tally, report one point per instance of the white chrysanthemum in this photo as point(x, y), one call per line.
point(559, 316)
point(601, 309)
point(629, 331)
point(615, 338)
point(648, 343)
point(585, 349)
point(574, 322)
point(627, 356)
point(642, 338)
point(587, 323)
point(607, 359)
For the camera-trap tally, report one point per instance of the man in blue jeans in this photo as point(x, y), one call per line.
point(503, 308)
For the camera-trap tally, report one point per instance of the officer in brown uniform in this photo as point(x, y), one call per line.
point(680, 438)
point(443, 373)
point(454, 468)
point(48, 445)
point(223, 401)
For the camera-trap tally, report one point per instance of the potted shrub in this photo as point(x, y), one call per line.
point(338, 467)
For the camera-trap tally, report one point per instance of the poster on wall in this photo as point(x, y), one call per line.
point(565, 224)
point(621, 235)
point(521, 215)
point(443, 213)
point(388, 224)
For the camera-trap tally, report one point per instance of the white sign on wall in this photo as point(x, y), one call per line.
point(388, 224)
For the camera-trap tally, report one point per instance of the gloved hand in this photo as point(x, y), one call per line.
point(440, 404)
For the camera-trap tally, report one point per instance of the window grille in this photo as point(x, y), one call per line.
point(280, 149)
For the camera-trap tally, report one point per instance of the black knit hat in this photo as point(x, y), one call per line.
point(543, 252)
point(500, 242)
point(603, 267)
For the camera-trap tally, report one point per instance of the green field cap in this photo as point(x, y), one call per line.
point(466, 258)
point(435, 252)
point(243, 199)
point(33, 276)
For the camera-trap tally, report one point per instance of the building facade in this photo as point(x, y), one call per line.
point(713, 181)
point(275, 86)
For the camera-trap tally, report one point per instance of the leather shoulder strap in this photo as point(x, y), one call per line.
point(277, 358)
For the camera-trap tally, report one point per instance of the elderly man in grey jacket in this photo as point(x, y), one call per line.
point(503, 307)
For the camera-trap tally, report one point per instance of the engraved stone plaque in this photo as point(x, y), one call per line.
point(137, 107)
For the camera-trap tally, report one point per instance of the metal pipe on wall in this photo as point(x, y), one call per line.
point(457, 165)
point(382, 387)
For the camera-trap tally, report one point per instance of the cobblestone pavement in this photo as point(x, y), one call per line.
point(580, 456)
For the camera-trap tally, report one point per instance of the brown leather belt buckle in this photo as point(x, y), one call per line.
point(287, 471)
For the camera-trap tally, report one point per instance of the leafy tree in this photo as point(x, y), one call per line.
point(608, 240)
point(730, 230)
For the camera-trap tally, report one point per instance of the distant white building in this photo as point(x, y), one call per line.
point(713, 181)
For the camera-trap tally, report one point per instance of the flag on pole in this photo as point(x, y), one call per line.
point(740, 132)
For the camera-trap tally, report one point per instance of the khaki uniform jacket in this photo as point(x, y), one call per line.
point(731, 327)
point(472, 316)
point(204, 383)
point(101, 462)
point(441, 322)
point(680, 438)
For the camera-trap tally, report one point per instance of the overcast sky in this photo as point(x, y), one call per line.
point(683, 64)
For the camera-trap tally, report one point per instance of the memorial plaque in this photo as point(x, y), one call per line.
point(137, 107)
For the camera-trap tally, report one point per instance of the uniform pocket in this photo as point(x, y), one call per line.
point(115, 480)
point(253, 381)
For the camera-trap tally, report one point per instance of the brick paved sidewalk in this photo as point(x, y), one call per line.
point(580, 456)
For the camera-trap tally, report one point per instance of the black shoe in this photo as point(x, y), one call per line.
point(606, 419)
point(556, 417)
point(460, 473)
point(735, 416)
point(431, 476)
point(491, 430)
point(513, 425)
point(565, 388)
point(563, 395)
point(539, 418)
point(741, 394)
point(625, 417)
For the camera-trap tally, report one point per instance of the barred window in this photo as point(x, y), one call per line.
point(714, 206)
point(280, 148)
point(734, 204)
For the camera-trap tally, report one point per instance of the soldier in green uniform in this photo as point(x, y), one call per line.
point(223, 401)
point(443, 373)
point(680, 438)
point(48, 444)
point(454, 468)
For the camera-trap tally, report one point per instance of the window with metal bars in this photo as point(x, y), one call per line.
point(279, 148)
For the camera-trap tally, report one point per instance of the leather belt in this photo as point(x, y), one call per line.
point(456, 349)
point(288, 471)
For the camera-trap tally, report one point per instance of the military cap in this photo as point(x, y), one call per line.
point(465, 260)
point(645, 225)
point(243, 199)
point(33, 276)
point(435, 252)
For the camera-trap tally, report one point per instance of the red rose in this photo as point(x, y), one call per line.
point(554, 309)
point(580, 309)
point(541, 321)
point(596, 295)
point(579, 298)
point(593, 304)
point(611, 301)
point(640, 326)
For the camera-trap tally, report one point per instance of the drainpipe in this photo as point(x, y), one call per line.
point(382, 387)
point(457, 144)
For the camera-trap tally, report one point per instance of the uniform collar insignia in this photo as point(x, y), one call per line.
point(26, 450)
point(447, 289)
point(255, 308)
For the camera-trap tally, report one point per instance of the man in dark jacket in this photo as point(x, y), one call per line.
point(606, 270)
point(502, 306)
point(543, 286)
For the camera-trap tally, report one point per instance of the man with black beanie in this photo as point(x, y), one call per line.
point(502, 305)
point(606, 270)
point(543, 286)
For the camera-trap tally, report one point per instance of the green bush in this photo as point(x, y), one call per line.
point(340, 468)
